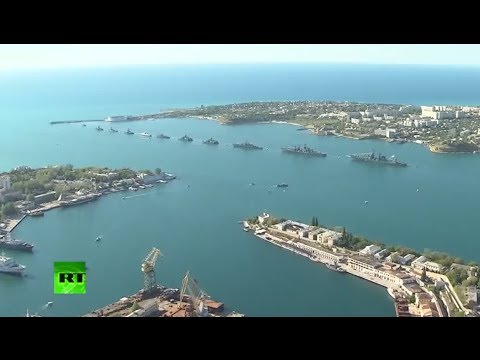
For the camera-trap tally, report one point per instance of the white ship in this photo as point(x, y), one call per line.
point(145, 134)
point(9, 266)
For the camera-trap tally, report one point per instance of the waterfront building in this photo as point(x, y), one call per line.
point(370, 250)
point(407, 258)
point(323, 255)
point(386, 273)
point(381, 254)
point(422, 263)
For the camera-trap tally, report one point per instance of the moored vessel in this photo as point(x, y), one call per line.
point(10, 243)
point(379, 159)
point(247, 145)
point(186, 138)
point(211, 141)
point(305, 150)
point(10, 266)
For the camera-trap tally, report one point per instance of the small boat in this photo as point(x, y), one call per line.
point(251, 184)
point(245, 229)
point(129, 132)
point(149, 186)
point(123, 198)
point(98, 238)
point(84, 125)
point(142, 187)
point(163, 136)
point(49, 304)
point(113, 130)
point(98, 128)
point(145, 134)
point(366, 201)
point(282, 185)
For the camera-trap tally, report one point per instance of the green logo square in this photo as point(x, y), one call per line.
point(69, 277)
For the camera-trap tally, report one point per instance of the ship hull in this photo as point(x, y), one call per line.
point(7, 246)
point(288, 151)
point(11, 272)
point(397, 164)
point(247, 148)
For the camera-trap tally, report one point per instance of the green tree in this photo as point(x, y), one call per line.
point(30, 197)
point(316, 221)
point(135, 306)
point(8, 209)
point(411, 299)
point(424, 275)
point(158, 171)
point(313, 221)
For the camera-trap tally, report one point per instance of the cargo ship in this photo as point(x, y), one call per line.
point(305, 150)
point(248, 146)
point(379, 159)
point(14, 244)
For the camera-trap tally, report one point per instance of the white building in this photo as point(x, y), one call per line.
point(355, 121)
point(264, 217)
point(370, 250)
point(418, 263)
point(321, 254)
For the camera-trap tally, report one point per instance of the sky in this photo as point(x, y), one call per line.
point(24, 56)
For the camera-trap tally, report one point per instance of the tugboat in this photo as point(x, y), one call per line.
point(211, 141)
point(282, 185)
point(129, 132)
point(162, 136)
point(379, 159)
point(14, 244)
point(98, 128)
point(186, 138)
point(248, 146)
point(113, 130)
point(305, 150)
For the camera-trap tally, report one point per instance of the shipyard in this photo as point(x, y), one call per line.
point(158, 301)
point(418, 285)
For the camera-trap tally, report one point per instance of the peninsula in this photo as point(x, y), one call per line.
point(25, 191)
point(441, 128)
point(431, 284)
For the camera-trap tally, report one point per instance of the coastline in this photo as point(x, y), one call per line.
point(401, 279)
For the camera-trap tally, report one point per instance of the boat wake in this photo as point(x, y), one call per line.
point(133, 196)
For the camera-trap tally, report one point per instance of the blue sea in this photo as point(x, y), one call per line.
point(194, 219)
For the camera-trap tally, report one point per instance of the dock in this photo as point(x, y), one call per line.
point(73, 121)
point(158, 302)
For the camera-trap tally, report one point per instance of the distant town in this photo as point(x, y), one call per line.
point(423, 285)
point(441, 128)
point(30, 192)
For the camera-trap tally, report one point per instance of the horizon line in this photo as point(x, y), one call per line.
point(96, 66)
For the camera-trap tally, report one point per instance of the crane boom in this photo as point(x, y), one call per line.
point(148, 268)
point(196, 295)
